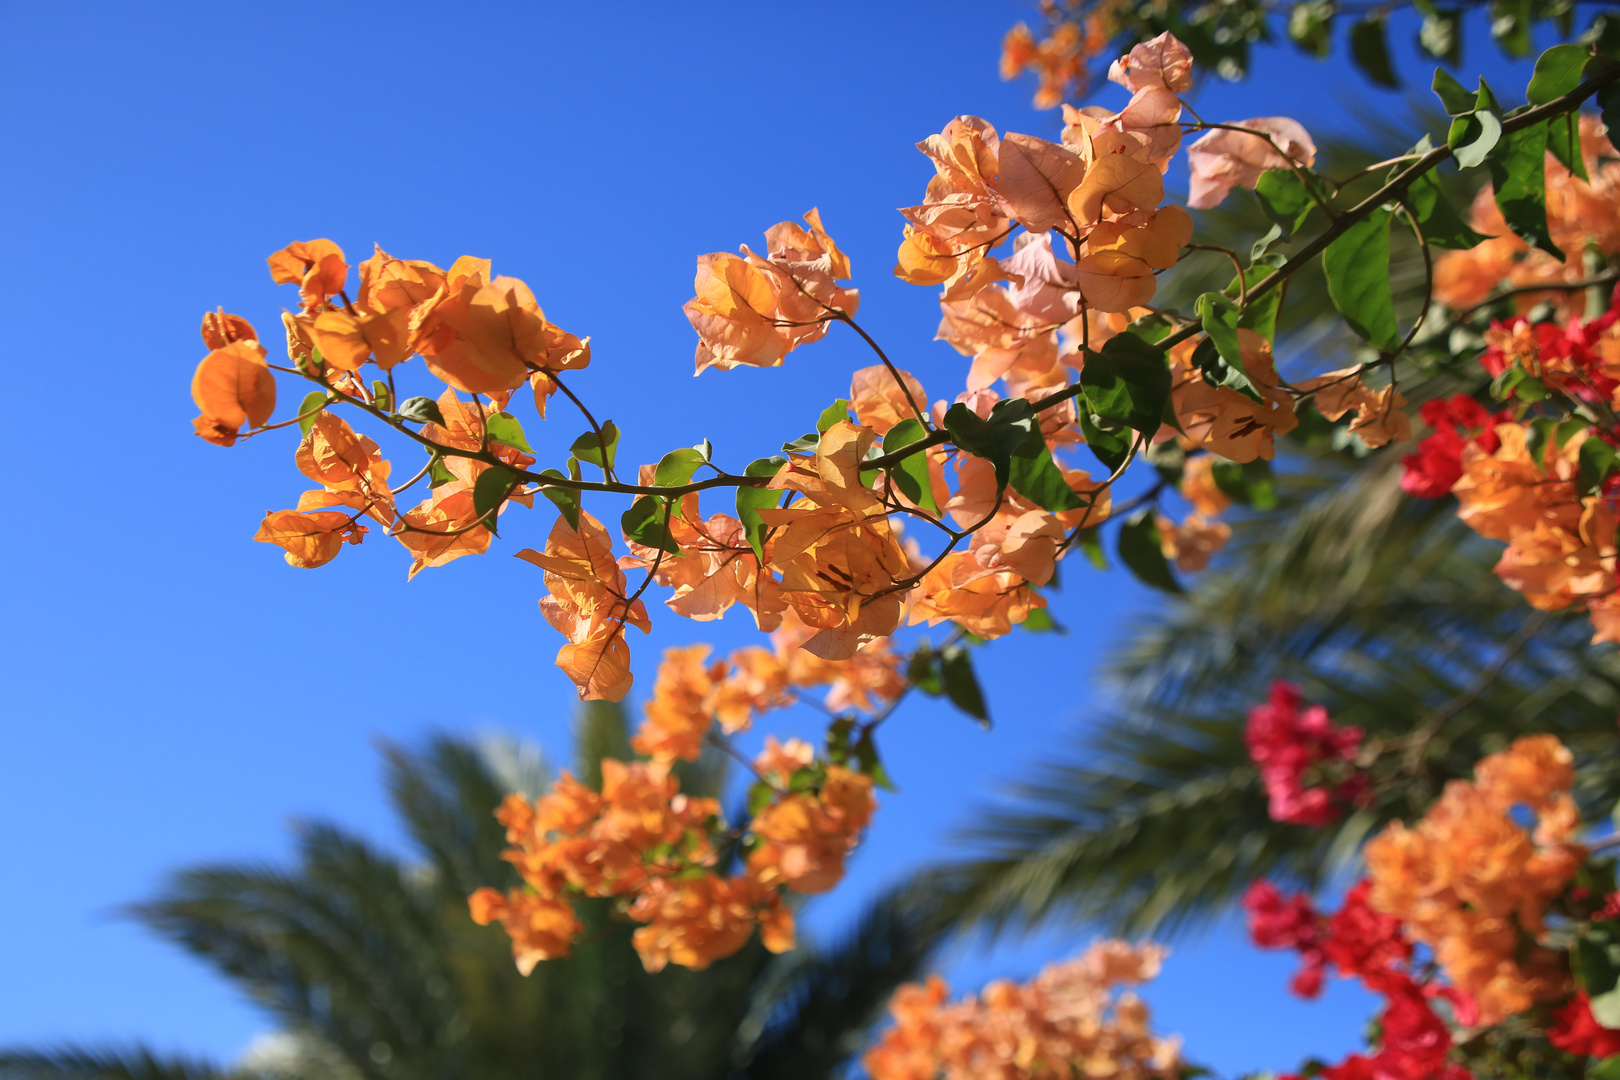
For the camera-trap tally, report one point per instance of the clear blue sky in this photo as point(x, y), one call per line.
point(175, 693)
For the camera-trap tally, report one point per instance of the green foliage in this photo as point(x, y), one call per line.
point(566, 499)
point(1369, 48)
point(910, 474)
point(1139, 549)
point(422, 410)
point(505, 429)
point(1357, 268)
point(490, 490)
point(1518, 171)
point(1010, 439)
point(647, 523)
point(1127, 383)
point(751, 500)
point(309, 409)
point(596, 448)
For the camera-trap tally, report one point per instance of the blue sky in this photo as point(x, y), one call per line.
point(178, 694)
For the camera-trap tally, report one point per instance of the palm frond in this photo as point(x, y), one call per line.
point(135, 1063)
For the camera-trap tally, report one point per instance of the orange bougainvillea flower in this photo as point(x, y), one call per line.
point(491, 336)
point(1191, 544)
point(443, 528)
point(315, 266)
point(680, 711)
point(220, 329)
point(587, 604)
point(542, 928)
point(715, 569)
point(232, 386)
point(1225, 158)
point(1162, 62)
point(752, 312)
point(805, 837)
point(310, 540)
point(878, 400)
point(697, 921)
point(1198, 486)
point(348, 466)
point(988, 603)
point(1223, 421)
point(1379, 419)
point(960, 218)
point(1472, 883)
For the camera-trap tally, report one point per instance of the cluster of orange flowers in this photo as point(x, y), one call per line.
point(1474, 884)
point(1072, 40)
point(1580, 213)
point(1561, 547)
point(642, 842)
point(1065, 1022)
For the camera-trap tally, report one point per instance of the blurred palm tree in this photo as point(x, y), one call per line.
point(1384, 608)
point(374, 970)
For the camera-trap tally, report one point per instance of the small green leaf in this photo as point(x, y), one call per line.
point(1152, 328)
point(1110, 448)
point(438, 473)
point(307, 409)
point(838, 733)
point(866, 756)
point(1439, 220)
point(987, 439)
point(1474, 134)
point(1040, 621)
point(751, 500)
point(836, 413)
point(1140, 550)
point(962, 685)
point(1598, 461)
point(676, 468)
point(922, 670)
point(566, 499)
point(1456, 98)
point(1564, 144)
point(504, 428)
point(647, 523)
point(1606, 1069)
point(1518, 171)
point(1089, 541)
point(1127, 382)
point(490, 490)
point(1369, 48)
point(423, 410)
point(1250, 483)
point(1441, 34)
point(1310, 26)
point(911, 474)
point(760, 796)
point(804, 444)
point(1357, 269)
point(1285, 198)
point(380, 395)
point(1261, 314)
point(589, 446)
point(1558, 71)
point(1220, 320)
point(1510, 27)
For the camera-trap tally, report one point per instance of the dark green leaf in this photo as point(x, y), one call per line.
point(504, 428)
point(1139, 549)
point(804, 444)
point(1598, 461)
point(676, 467)
point(1285, 198)
point(922, 670)
point(1474, 134)
point(1606, 1069)
point(1558, 71)
point(438, 474)
point(1040, 621)
point(647, 523)
point(1454, 97)
point(1220, 320)
point(1089, 541)
point(1518, 171)
point(380, 395)
point(589, 446)
point(962, 685)
point(1369, 48)
point(307, 409)
point(911, 474)
point(1510, 26)
point(1127, 382)
point(494, 484)
point(866, 756)
point(1250, 483)
point(1357, 269)
point(1261, 314)
point(835, 413)
point(1310, 26)
point(1010, 439)
point(1111, 448)
point(1564, 144)
point(987, 439)
point(423, 410)
point(838, 733)
point(1441, 35)
point(1152, 328)
point(751, 500)
point(566, 499)
point(1439, 220)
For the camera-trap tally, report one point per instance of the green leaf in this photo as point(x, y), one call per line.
point(987, 439)
point(1564, 144)
point(566, 499)
point(1558, 71)
point(1441, 34)
point(760, 795)
point(1261, 314)
point(1439, 220)
point(911, 474)
point(1110, 448)
point(1040, 621)
point(1310, 26)
point(380, 395)
point(1127, 382)
point(1510, 27)
point(1250, 483)
point(1220, 319)
point(647, 523)
point(1152, 328)
point(804, 444)
point(1518, 170)
point(1089, 541)
point(1598, 461)
point(423, 410)
point(504, 428)
point(751, 500)
point(866, 756)
point(1010, 439)
point(962, 685)
point(1474, 135)
point(490, 490)
point(1456, 98)
point(1595, 961)
point(1357, 269)
point(438, 474)
point(922, 670)
point(1285, 198)
point(307, 409)
point(1369, 48)
point(589, 446)
point(836, 413)
point(1606, 1069)
point(838, 733)
point(1139, 549)
point(675, 468)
